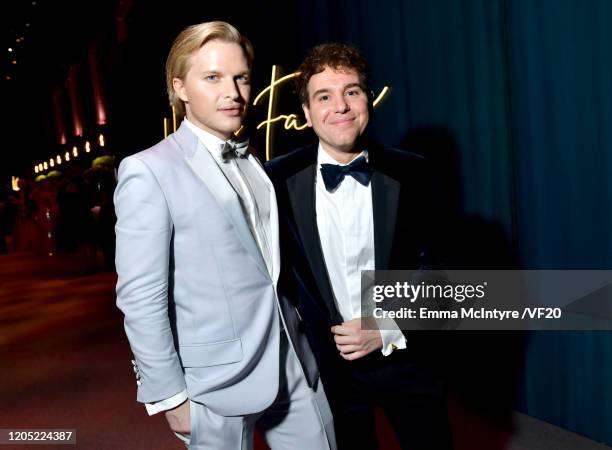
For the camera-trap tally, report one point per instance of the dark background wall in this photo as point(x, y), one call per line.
point(512, 98)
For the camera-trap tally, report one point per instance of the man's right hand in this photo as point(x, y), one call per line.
point(178, 418)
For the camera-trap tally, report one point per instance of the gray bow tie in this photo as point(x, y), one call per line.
point(234, 148)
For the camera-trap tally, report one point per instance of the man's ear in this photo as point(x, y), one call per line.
point(307, 114)
point(179, 89)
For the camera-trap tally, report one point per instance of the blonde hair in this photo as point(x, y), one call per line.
point(191, 39)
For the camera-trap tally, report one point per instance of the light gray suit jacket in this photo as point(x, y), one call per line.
point(201, 309)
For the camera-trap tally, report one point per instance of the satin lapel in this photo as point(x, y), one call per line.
point(274, 238)
point(205, 167)
point(385, 197)
point(301, 189)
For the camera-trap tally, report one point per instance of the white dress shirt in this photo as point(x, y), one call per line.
point(345, 220)
point(252, 190)
point(254, 195)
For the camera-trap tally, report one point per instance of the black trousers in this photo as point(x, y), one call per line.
point(411, 395)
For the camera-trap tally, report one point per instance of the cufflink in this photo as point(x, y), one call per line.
point(138, 382)
point(393, 346)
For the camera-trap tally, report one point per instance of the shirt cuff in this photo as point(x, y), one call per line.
point(392, 340)
point(169, 403)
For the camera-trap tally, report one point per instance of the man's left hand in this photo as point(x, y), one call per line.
point(353, 342)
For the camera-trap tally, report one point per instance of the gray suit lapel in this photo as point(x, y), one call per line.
point(206, 168)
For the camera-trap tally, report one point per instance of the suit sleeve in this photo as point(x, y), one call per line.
point(144, 230)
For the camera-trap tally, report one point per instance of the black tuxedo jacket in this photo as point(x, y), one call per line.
point(404, 224)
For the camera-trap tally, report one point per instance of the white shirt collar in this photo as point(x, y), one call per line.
point(324, 158)
point(212, 143)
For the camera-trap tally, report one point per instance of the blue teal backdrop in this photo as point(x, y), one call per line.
point(524, 90)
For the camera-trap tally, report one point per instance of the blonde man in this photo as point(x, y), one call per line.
point(214, 346)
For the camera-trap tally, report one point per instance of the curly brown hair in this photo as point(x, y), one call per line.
point(337, 56)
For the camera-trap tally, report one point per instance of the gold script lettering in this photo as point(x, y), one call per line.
point(291, 120)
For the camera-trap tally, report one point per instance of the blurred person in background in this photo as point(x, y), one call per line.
point(75, 225)
point(100, 182)
point(27, 231)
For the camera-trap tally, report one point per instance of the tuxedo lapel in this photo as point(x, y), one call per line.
point(274, 232)
point(385, 197)
point(301, 188)
point(205, 167)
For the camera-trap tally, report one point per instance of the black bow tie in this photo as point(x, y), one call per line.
point(333, 174)
point(231, 148)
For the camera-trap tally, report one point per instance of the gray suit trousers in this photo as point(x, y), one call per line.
point(299, 418)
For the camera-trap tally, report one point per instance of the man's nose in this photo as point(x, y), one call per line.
point(340, 104)
point(231, 89)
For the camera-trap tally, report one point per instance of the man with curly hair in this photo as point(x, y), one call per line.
point(350, 205)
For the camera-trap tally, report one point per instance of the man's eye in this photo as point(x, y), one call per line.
point(352, 92)
point(242, 78)
point(324, 98)
point(211, 77)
